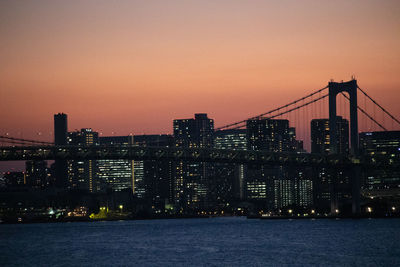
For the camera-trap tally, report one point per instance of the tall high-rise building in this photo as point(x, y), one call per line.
point(153, 180)
point(275, 187)
point(320, 141)
point(331, 187)
point(381, 147)
point(191, 183)
point(115, 174)
point(226, 183)
point(60, 129)
point(82, 174)
point(60, 139)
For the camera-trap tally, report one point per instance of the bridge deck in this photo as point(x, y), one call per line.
point(176, 154)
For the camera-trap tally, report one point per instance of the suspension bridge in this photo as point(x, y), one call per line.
point(14, 148)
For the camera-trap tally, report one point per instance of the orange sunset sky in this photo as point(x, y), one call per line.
point(134, 66)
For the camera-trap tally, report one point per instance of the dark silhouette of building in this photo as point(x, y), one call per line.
point(37, 174)
point(60, 139)
point(381, 147)
point(227, 180)
point(153, 180)
point(331, 187)
point(276, 187)
point(60, 129)
point(320, 136)
point(83, 174)
point(14, 179)
point(191, 183)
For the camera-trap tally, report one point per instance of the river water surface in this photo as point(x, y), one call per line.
point(199, 242)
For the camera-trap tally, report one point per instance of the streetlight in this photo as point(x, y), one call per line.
point(121, 207)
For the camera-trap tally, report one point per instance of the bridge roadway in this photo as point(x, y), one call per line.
point(177, 154)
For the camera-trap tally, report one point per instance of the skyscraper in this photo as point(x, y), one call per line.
point(60, 139)
point(226, 183)
point(153, 180)
point(60, 129)
point(381, 147)
point(115, 174)
point(320, 141)
point(275, 187)
point(191, 184)
point(82, 174)
point(331, 187)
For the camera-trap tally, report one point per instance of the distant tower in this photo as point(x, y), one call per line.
point(60, 138)
point(60, 129)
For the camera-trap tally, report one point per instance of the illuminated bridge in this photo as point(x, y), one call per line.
point(169, 154)
point(299, 113)
point(13, 153)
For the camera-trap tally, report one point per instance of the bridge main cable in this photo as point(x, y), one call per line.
point(20, 140)
point(289, 110)
point(271, 111)
point(382, 108)
point(366, 114)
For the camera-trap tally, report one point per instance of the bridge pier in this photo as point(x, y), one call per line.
point(351, 88)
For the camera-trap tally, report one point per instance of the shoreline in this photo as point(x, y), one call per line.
point(250, 217)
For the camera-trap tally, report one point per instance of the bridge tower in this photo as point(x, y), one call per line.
point(335, 89)
point(351, 88)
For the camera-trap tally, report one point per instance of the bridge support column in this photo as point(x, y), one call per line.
point(334, 89)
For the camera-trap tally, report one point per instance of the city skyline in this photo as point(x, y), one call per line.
point(231, 61)
point(186, 132)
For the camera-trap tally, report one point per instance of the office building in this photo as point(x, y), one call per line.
point(116, 174)
point(191, 183)
point(226, 179)
point(82, 174)
point(381, 147)
point(153, 180)
point(320, 141)
point(276, 187)
point(332, 189)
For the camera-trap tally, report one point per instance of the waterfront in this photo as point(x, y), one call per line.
point(215, 241)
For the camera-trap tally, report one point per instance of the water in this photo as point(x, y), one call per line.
point(200, 242)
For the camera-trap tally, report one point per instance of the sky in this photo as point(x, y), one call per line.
point(124, 67)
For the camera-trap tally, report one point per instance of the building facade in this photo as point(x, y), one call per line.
point(153, 180)
point(83, 174)
point(384, 147)
point(332, 189)
point(276, 187)
point(191, 181)
point(227, 180)
point(116, 174)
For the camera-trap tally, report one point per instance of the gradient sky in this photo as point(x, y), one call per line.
point(134, 66)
